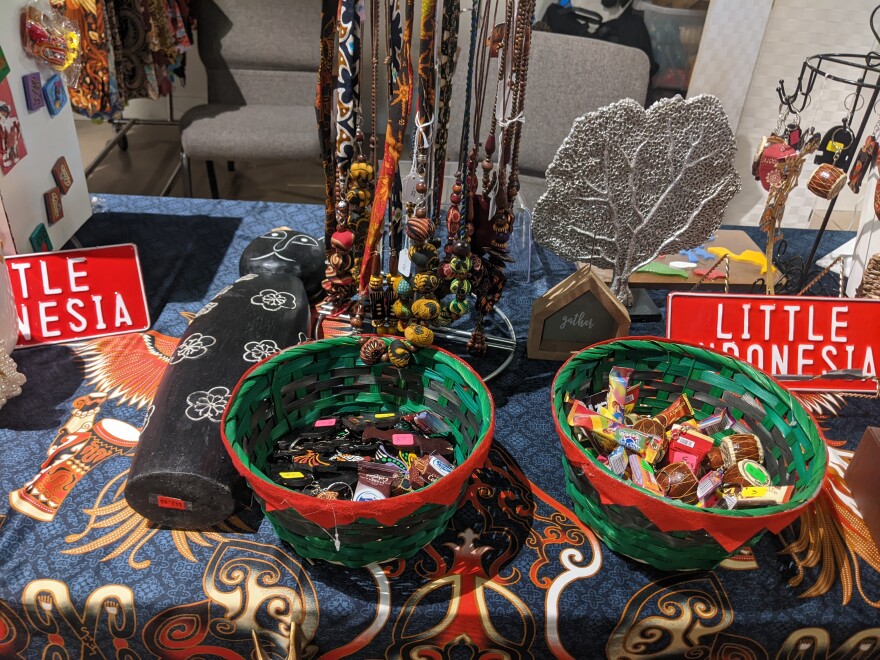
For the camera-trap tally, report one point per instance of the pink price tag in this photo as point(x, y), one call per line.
point(690, 459)
point(321, 423)
point(403, 440)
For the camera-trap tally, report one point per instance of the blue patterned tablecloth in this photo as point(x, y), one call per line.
point(515, 575)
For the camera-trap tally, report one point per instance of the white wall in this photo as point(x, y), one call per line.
point(45, 138)
point(797, 29)
point(731, 26)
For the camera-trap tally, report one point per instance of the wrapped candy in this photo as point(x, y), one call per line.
point(678, 409)
point(618, 383)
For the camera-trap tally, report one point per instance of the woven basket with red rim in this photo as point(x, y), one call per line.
point(667, 533)
point(326, 378)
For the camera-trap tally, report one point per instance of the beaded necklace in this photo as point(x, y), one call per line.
point(448, 52)
point(494, 235)
point(398, 114)
point(457, 265)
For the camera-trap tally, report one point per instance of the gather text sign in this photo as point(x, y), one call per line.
point(810, 343)
point(78, 294)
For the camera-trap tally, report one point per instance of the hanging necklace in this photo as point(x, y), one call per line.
point(324, 113)
point(448, 48)
point(457, 265)
point(499, 46)
point(339, 282)
point(512, 96)
point(418, 225)
point(398, 114)
point(362, 171)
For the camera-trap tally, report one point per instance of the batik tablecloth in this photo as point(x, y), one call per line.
point(515, 576)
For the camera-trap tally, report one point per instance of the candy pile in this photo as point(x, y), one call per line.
point(365, 457)
point(716, 462)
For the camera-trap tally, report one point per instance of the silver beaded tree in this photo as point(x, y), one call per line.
point(628, 185)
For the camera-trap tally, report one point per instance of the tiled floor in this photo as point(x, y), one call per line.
point(153, 153)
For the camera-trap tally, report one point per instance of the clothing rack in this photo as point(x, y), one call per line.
point(122, 127)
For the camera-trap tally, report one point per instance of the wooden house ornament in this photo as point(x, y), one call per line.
point(579, 311)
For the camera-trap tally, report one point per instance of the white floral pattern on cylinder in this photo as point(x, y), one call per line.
point(207, 405)
point(8, 316)
point(272, 300)
point(192, 348)
point(255, 351)
point(207, 308)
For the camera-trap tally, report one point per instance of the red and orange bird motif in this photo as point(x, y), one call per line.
point(127, 367)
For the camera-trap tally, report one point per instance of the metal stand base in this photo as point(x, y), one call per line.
point(643, 309)
point(505, 344)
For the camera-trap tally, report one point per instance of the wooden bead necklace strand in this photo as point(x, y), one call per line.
point(448, 57)
point(339, 282)
point(512, 90)
point(324, 116)
point(520, 108)
point(457, 263)
point(498, 43)
point(400, 39)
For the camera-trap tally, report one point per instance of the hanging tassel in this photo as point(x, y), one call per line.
point(834, 535)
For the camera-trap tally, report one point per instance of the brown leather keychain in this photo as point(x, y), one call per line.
point(866, 159)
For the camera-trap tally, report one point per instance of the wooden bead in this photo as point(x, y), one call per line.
point(372, 350)
point(426, 309)
point(425, 282)
point(678, 482)
point(418, 229)
point(419, 336)
point(462, 287)
point(399, 353)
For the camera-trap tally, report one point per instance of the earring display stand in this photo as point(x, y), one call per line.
point(858, 70)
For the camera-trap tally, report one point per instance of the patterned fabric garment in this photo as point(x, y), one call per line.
point(178, 20)
point(94, 95)
point(347, 93)
point(138, 76)
point(160, 30)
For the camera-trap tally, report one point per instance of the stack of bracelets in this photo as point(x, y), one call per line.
point(429, 279)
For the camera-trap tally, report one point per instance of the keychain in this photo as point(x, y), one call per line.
point(828, 179)
point(866, 159)
point(839, 142)
point(784, 133)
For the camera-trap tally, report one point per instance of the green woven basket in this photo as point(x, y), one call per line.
point(300, 385)
point(665, 533)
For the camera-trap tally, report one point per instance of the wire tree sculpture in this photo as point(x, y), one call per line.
point(628, 185)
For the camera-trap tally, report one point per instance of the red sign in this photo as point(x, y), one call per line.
point(78, 294)
point(815, 344)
